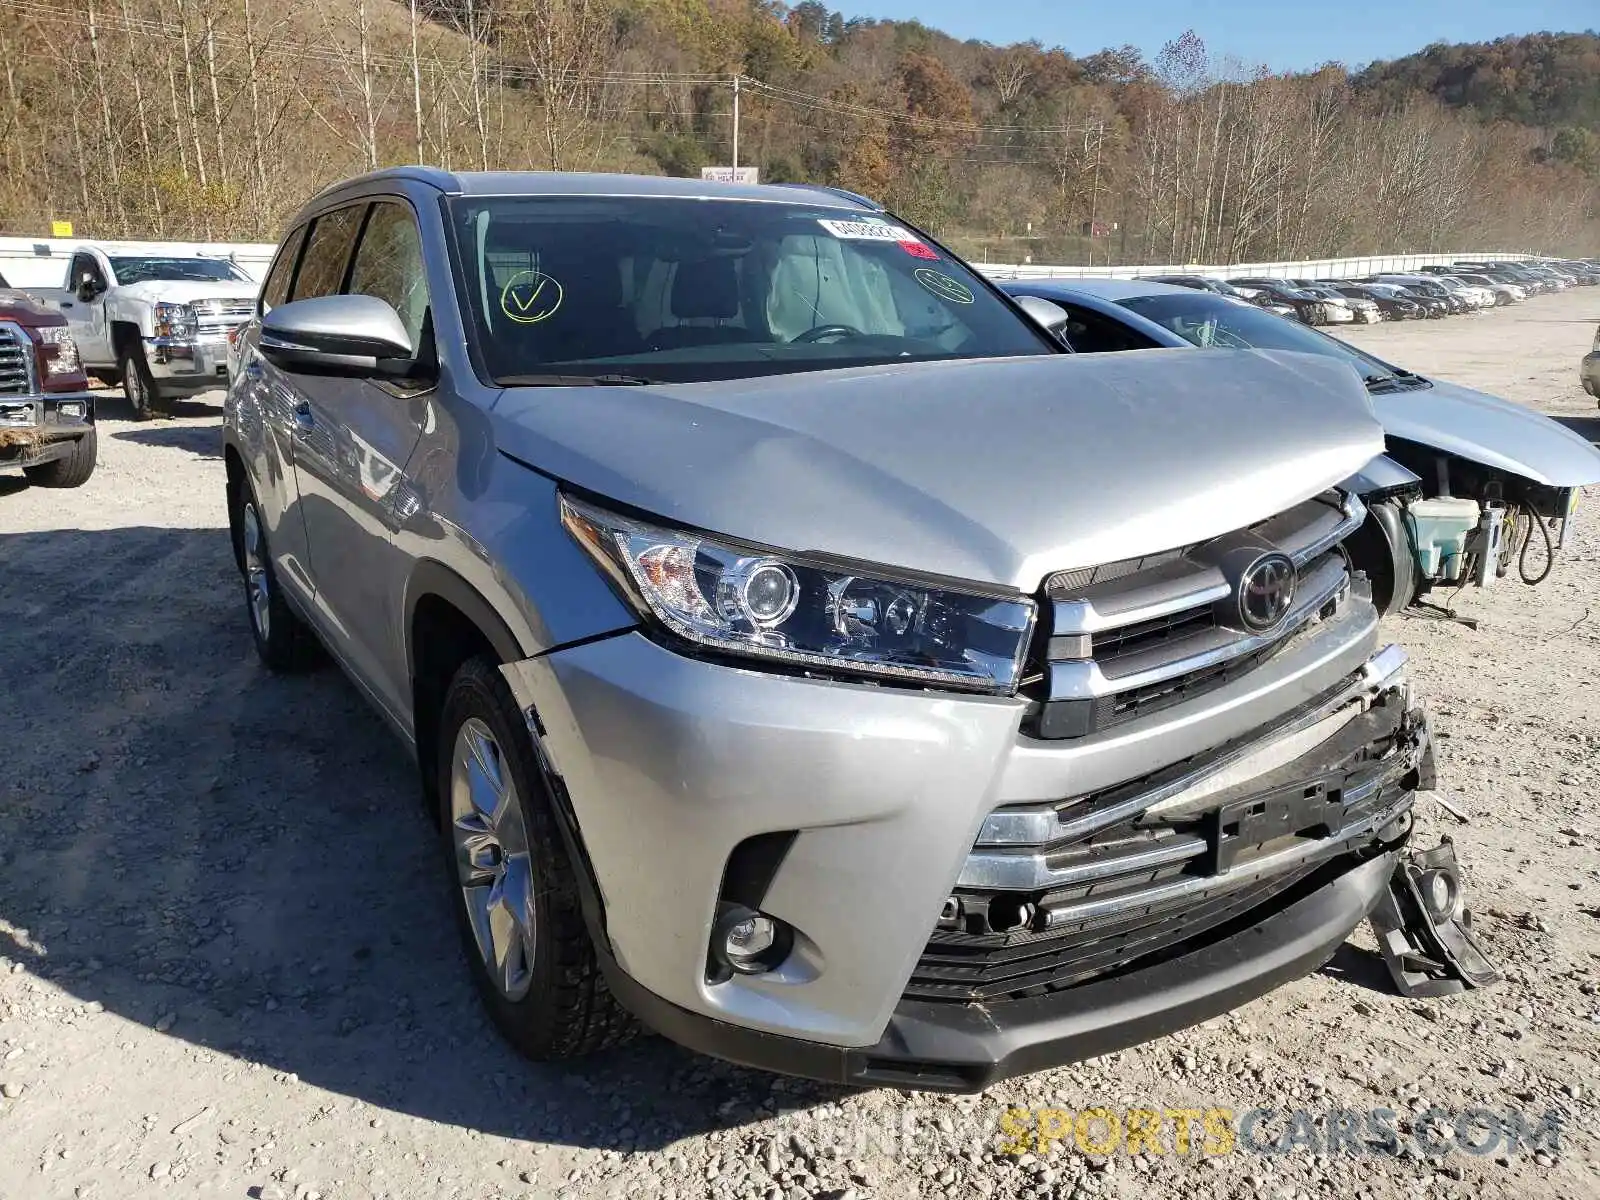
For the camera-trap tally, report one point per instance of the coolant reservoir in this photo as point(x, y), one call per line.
point(1439, 529)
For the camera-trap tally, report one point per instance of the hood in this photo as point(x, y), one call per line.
point(995, 470)
point(27, 309)
point(187, 291)
point(1492, 431)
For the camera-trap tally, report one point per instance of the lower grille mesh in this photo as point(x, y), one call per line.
point(965, 968)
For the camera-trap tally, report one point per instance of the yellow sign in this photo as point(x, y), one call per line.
point(61, 229)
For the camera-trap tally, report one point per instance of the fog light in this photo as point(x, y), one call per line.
point(749, 942)
point(73, 411)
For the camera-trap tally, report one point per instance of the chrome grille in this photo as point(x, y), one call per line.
point(16, 361)
point(1129, 638)
point(216, 317)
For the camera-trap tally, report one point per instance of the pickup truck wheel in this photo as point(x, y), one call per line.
point(517, 903)
point(282, 640)
point(138, 385)
point(69, 472)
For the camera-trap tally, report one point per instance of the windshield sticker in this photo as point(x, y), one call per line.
point(868, 231)
point(530, 296)
point(920, 250)
point(944, 286)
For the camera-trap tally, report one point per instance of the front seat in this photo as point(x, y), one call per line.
point(703, 290)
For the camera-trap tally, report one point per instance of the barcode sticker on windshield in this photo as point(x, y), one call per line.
point(869, 231)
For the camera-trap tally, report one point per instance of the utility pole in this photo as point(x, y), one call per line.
point(736, 126)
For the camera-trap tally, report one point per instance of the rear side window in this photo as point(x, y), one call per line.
point(388, 265)
point(327, 253)
point(276, 288)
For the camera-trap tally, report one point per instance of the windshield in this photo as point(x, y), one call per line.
point(1217, 323)
point(143, 270)
point(673, 290)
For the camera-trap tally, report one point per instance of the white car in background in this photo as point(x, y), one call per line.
point(1342, 309)
point(1504, 293)
point(1478, 297)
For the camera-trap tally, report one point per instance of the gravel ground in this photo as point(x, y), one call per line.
point(227, 967)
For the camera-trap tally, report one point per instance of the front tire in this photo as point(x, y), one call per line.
point(69, 472)
point(282, 640)
point(515, 890)
point(138, 384)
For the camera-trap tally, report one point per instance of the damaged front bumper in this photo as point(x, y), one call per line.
point(1424, 928)
point(43, 426)
point(949, 928)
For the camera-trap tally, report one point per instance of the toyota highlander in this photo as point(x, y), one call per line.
point(802, 653)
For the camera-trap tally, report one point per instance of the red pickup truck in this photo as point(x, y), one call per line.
point(46, 409)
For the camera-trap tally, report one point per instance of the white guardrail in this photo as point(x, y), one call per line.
point(1319, 268)
point(42, 262)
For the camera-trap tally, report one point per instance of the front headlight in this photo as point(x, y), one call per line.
point(60, 351)
point(175, 320)
point(764, 604)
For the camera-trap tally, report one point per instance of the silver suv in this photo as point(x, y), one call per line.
point(800, 651)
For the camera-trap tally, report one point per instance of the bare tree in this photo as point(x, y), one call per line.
point(565, 45)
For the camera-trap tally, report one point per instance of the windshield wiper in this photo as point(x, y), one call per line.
point(574, 381)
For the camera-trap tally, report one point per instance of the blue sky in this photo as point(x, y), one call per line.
point(1284, 34)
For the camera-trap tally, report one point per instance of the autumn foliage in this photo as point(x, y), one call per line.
point(205, 119)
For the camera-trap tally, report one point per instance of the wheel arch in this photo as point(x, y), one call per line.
point(233, 468)
point(447, 622)
point(125, 334)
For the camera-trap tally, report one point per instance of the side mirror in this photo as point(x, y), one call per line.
point(88, 289)
point(353, 336)
point(1046, 314)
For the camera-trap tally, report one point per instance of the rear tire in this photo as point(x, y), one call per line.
point(514, 889)
point(283, 641)
point(138, 384)
point(69, 472)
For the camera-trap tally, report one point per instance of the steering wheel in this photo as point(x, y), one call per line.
point(817, 332)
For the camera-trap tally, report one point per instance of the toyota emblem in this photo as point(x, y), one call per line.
point(1266, 589)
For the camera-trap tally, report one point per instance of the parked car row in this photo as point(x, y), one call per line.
point(1489, 485)
point(1432, 292)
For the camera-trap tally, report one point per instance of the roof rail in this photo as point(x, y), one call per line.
point(836, 191)
point(434, 176)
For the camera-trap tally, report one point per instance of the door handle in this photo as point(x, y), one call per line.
point(303, 420)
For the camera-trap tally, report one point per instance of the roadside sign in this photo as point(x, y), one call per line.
point(60, 229)
point(730, 174)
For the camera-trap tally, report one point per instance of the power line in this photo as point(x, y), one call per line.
point(500, 71)
point(828, 104)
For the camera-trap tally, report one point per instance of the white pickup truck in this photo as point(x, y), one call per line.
point(157, 323)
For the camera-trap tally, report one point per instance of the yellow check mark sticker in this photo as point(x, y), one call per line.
point(530, 296)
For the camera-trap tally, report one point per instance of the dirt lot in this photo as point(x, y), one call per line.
point(227, 967)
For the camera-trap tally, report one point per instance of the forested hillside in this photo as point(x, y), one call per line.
point(217, 119)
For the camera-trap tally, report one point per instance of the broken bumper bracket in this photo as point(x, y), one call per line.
point(1424, 929)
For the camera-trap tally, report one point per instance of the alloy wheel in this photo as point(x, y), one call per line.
point(258, 586)
point(493, 862)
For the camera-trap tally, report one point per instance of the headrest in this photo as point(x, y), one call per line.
point(706, 287)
